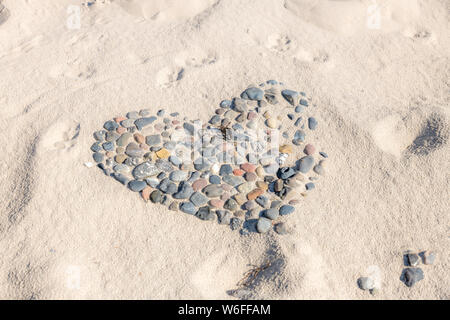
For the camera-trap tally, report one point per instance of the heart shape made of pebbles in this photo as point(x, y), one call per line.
point(247, 167)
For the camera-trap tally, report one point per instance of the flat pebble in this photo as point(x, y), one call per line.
point(305, 164)
point(252, 94)
point(188, 207)
point(137, 185)
point(213, 191)
point(156, 196)
point(178, 175)
point(286, 209)
point(310, 186)
point(205, 213)
point(198, 199)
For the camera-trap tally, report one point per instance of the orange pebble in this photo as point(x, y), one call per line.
point(238, 172)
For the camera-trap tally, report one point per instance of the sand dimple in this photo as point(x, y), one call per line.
point(165, 10)
point(351, 17)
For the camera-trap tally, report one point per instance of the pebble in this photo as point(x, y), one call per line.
point(167, 186)
point(178, 176)
point(112, 136)
point(156, 196)
point(309, 149)
point(255, 194)
point(205, 213)
point(132, 115)
point(98, 157)
point(250, 176)
point(133, 150)
point(163, 153)
point(174, 160)
point(263, 201)
point(198, 199)
point(184, 191)
point(216, 203)
point(214, 179)
point(272, 213)
point(108, 146)
point(305, 164)
point(319, 169)
point(236, 223)
point(312, 123)
point(199, 184)
point(213, 191)
point(249, 205)
point(299, 109)
point(428, 257)
point(143, 122)
point(366, 283)
point(188, 207)
point(323, 154)
point(137, 185)
point(286, 172)
point(248, 167)
point(145, 170)
point(252, 94)
point(281, 228)
point(239, 105)
point(286, 209)
point(263, 225)
point(271, 123)
point(99, 136)
point(413, 259)
point(240, 198)
point(246, 187)
point(226, 104)
point(110, 125)
point(121, 178)
point(153, 139)
point(224, 217)
point(145, 193)
point(286, 148)
point(233, 180)
point(225, 169)
point(164, 165)
point(412, 276)
point(310, 186)
point(231, 205)
point(173, 206)
point(291, 96)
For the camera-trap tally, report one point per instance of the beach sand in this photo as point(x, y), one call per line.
point(378, 72)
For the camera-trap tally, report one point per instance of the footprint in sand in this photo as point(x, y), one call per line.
point(165, 10)
point(279, 43)
point(350, 17)
point(4, 14)
point(169, 76)
point(398, 134)
point(62, 135)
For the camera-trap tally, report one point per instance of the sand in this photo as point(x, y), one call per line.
point(378, 75)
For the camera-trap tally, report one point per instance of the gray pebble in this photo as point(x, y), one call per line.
point(153, 139)
point(188, 207)
point(185, 191)
point(108, 146)
point(366, 283)
point(263, 225)
point(205, 213)
point(110, 125)
point(236, 223)
point(98, 157)
point(272, 213)
point(312, 123)
point(305, 164)
point(291, 96)
point(144, 170)
point(198, 199)
point(137, 185)
point(286, 209)
point(224, 216)
point(412, 276)
point(280, 228)
point(178, 175)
